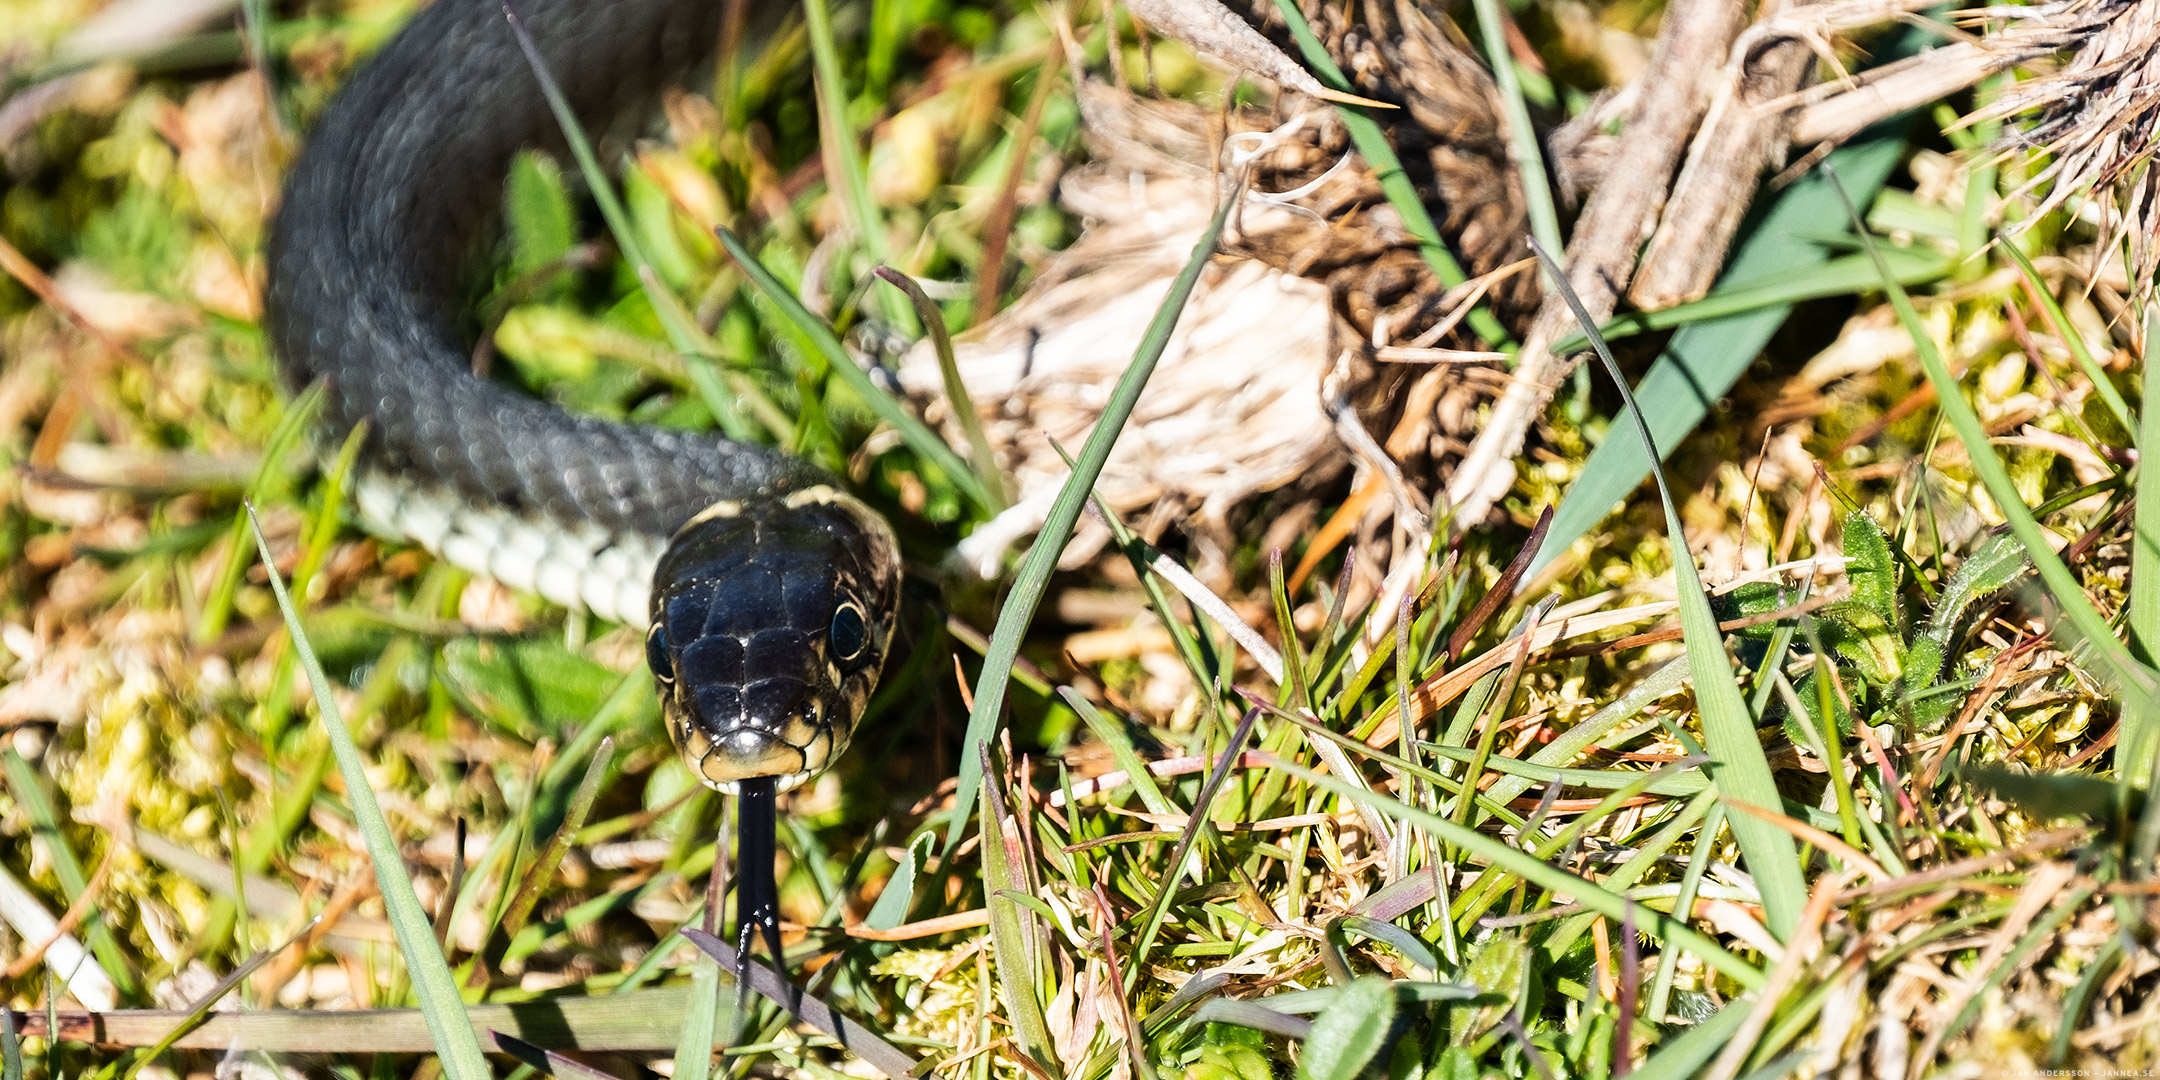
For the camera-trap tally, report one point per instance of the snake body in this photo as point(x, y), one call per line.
point(767, 593)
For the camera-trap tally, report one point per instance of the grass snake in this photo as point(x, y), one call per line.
point(768, 594)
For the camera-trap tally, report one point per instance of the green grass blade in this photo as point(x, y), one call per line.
point(1523, 142)
point(2145, 528)
point(2144, 602)
point(550, 859)
point(1042, 556)
point(1013, 937)
point(1197, 823)
point(1706, 358)
point(1684, 1058)
point(1844, 275)
point(812, 335)
point(843, 158)
point(1741, 770)
point(1121, 750)
point(2133, 680)
point(694, 1044)
point(683, 335)
point(11, 1063)
point(29, 792)
point(432, 982)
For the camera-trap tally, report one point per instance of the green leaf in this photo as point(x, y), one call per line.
point(1923, 670)
point(898, 896)
point(1998, 561)
point(1870, 567)
point(1748, 601)
point(530, 687)
point(1857, 632)
point(543, 227)
point(549, 344)
point(653, 214)
point(2044, 794)
point(1347, 1035)
point(2135, 683)
point(1809, 692)
point(1497, 968)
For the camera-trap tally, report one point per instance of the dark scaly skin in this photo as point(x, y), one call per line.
point(774, 601)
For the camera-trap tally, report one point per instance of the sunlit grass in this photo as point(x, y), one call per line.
point(1485, 841)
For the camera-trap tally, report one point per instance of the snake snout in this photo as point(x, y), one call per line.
point(770, 619)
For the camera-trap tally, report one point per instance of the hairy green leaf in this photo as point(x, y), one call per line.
point(1349, 1033)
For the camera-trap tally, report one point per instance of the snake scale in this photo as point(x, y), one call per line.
point(768, 594)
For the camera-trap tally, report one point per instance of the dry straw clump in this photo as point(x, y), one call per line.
point(2097, 116)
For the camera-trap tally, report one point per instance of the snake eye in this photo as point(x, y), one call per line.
point(846, 639)
point(656, 654)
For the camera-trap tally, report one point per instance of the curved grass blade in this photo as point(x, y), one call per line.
point(1742, 770)
point(1042, 556)
point(956, 392)
point(2079, 351)
point(1246, 1014)
point(455, 1042)
point(812, 335)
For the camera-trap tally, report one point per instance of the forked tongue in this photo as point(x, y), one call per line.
point(757, 895)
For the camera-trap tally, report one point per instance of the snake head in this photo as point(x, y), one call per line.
point(771, 616)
